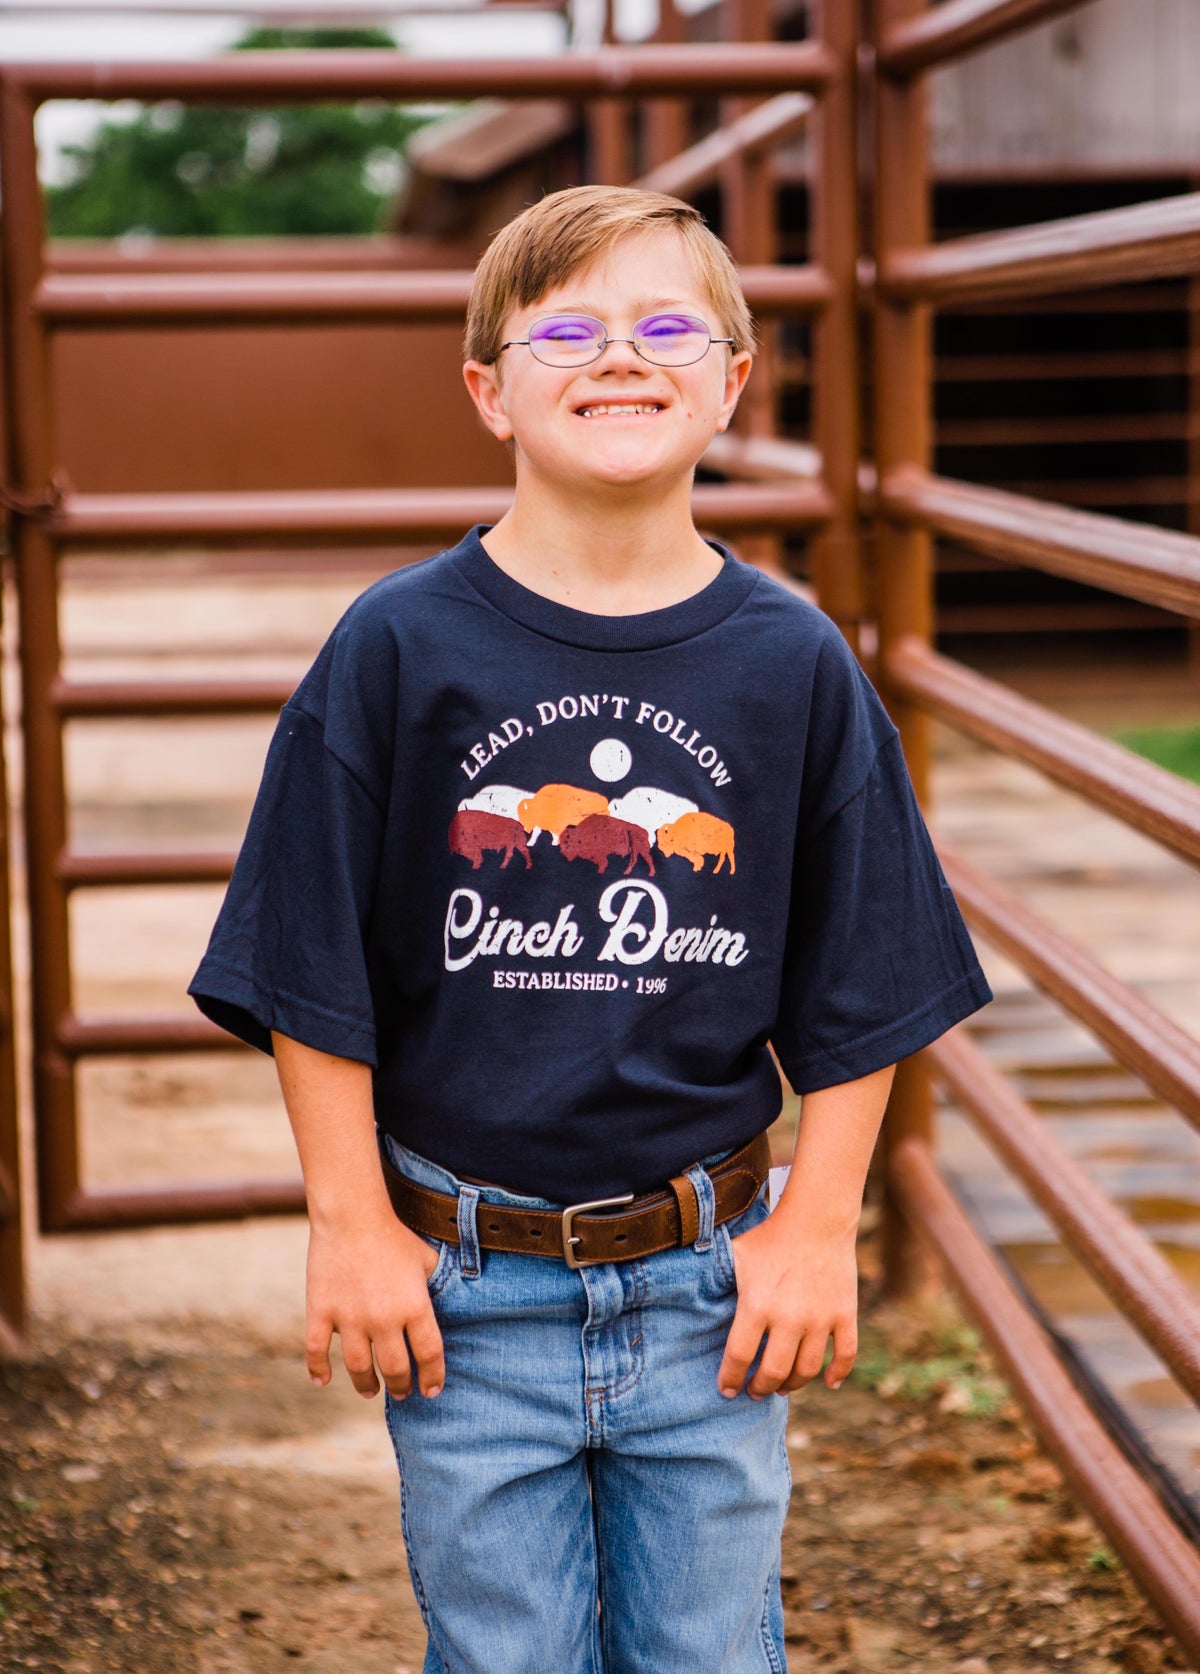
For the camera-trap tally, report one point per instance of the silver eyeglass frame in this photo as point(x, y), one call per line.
point(524, 342)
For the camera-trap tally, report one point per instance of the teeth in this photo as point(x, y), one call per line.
point(623, 407)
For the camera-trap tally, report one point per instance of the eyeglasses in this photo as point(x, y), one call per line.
point(570, 340)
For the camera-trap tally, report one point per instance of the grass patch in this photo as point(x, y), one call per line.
point(946, 1364)
point(1175, 748)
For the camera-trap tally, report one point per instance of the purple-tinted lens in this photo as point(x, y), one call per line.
point(671, 339)
point(567, 339)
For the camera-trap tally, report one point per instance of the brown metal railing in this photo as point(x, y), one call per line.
point(775, 487)
point(44, 304)
point(910, 275)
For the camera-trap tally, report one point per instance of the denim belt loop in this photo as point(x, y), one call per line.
point(706, 1203)
point(468, 1233)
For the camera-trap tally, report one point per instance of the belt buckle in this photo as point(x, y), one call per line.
point(569, 1238)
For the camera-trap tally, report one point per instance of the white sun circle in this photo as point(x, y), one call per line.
point(611, 760)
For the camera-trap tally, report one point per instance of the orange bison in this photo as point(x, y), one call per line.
point(555, 807)
point(695, 837)
point(600, 837)
point(472, 832)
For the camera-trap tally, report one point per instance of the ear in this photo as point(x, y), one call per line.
point(483, 385)
point(736, 374)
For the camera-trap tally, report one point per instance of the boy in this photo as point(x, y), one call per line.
point(563, 827)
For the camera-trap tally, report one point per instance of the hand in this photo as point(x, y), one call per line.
point(797, 1290)
point(369, 1283)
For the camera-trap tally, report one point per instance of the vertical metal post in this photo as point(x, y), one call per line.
point(836, 550)
point(610, 128)
point(14, 1317)
point(31, 464)
point(13, 1307)
point(665, 121)
point(749, 225)
point(904, 556)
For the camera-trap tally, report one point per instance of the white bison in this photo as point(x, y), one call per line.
point(650, 808)
point(500, 799)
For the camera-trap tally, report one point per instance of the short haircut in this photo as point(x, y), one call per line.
point(567, 232)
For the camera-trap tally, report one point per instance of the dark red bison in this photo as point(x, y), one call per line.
point(473, 832)
point(601, 836)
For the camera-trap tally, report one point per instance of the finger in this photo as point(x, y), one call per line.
point(425, 1341)
point(395, 1368)
point(845, 1347)
point(779, 1361)
point(356, 1357)
point(745, 1334)
point(316, 1350)
point(809, 1356)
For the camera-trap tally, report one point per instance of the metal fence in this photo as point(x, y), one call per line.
point(767, 90)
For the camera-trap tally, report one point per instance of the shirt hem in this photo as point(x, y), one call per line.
point(236, 1003)
point(831, 1066)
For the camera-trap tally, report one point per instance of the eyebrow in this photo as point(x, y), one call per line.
point(641, 307)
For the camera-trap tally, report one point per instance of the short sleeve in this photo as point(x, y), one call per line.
point(877, 961)
point(289, 948)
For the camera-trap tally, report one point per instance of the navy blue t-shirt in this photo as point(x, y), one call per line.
point(560, 878)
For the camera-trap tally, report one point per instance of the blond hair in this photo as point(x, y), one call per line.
point(568, 231)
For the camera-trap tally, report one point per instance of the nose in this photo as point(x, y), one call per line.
point(620, 356)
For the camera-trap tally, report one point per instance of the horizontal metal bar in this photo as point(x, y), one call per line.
point(1146, 797)
point(119, 300)
point(1080, 252)
point(1143, 1038)
point(628, 72)
point(1162, 1560)
point(80, 1037)
point(762, 458)
point(802, 289)
point(122, 698)
point(109, 1210)
point(958, 27)
point(77, 870)
point(1137, 560)
point(1133, 1272)
point(765, 125)
point(371, 515)
point(87, 299)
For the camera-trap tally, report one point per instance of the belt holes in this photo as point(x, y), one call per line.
point(493, 1227)
point(535, 1232)
point(621, 1238)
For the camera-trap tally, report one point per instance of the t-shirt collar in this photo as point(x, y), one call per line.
point(644, 631)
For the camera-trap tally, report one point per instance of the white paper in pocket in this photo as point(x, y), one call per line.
point(776, 1181)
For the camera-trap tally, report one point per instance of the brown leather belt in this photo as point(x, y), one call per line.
point(660, 1220)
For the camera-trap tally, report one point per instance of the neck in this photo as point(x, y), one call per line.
point(615, 557)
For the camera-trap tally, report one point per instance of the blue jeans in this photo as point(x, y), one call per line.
point(580, 1498)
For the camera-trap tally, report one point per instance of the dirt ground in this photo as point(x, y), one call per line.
point(177, 1497)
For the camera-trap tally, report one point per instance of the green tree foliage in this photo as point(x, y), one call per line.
point(204, 170)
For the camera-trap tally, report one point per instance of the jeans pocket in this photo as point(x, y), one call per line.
point(752, 1215)
point(446, 1253)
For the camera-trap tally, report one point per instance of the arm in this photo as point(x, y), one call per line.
point(367, 1273)
point(797, 1276)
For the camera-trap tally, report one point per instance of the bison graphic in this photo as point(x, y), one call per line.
point(599, 838)
point(501, 799)
point(695, 837)
point(473, 833)
point(554, 807)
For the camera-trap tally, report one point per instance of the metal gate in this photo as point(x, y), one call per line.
point(767, 89)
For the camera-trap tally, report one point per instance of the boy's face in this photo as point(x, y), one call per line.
point(664, 417)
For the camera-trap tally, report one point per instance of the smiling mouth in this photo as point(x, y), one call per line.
point(619, 409)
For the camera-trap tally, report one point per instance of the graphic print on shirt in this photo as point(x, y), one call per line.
point(560, 828)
